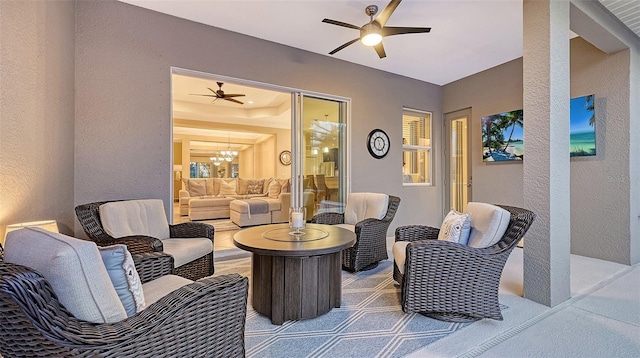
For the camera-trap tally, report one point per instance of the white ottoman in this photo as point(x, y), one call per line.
point(209, 208)
point(242, 215)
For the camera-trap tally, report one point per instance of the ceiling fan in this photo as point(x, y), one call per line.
point(219, 94)
point(371, 33)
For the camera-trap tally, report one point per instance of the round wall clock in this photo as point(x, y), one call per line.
point(285, 157)
point(378, 143)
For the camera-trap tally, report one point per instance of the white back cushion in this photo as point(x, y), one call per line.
point(488, 224)
point(73, 268)
point(135, 217)
point(362, 206)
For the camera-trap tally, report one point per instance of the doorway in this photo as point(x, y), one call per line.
point(458, 176)
point(259, 125)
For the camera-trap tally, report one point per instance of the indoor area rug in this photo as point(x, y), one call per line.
point(221, 225)
point(370, 322)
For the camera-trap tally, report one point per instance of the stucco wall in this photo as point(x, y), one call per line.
point(37, 112)
point(123, 60)
point(600, 185)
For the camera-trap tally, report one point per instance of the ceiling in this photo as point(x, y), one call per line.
point(467, 36)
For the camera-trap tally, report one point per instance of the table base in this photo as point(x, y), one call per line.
point(295, 288)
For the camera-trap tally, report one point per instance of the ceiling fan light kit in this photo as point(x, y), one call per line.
point(371, 33)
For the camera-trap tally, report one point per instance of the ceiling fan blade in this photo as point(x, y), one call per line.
point(390, 31)
point(386, 13)
point(340, 23)
point(233, 100)
point(204, 95)
point(233, 95)
point(344, 45)
point(380, 50)
point(211, 90)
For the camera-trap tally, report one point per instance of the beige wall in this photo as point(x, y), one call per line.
point(37, 113)
point(600, 225)
point(125, 51)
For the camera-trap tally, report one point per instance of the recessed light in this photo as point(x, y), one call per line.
point(250, 102)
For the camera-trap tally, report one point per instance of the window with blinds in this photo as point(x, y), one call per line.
point(416, 147)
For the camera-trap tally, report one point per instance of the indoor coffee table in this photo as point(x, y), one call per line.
point(295, 277)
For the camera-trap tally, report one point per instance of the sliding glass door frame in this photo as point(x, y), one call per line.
point(298, 149)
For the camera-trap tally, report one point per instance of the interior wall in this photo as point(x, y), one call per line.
point(123, 68)
point(600, 184)
point(37, 113)
point(268, 158)
point(247, 160)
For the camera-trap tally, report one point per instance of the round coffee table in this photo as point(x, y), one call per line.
point(295, 277)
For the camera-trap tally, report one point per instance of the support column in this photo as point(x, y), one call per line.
point(546, 163)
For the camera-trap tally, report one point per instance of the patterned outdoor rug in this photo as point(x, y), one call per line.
point(370, 322)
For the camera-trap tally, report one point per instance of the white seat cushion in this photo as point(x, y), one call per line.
point(399, 251)
point(135, 217)
point(73, 268)
point(362, 206)
point(488, 224)
point(187, 249)
point(351, 228)
point(160, 287)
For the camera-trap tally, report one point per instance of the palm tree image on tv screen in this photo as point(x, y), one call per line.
point(583, 126)
point(503, 140)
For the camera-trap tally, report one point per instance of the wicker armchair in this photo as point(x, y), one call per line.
point(454, 282)
point(89, 217)
point(371, 238)
point(202, 319)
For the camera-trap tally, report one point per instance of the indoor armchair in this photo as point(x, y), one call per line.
point(453, 281)
point(142, 226)
point(369, 216)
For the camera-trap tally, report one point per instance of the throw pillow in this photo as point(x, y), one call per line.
point(122, 272)
point(274, 189)
point(455, 227)
point(255, 186)
point(197, 188)
point(242, 186)
point(285, 186)
point(227, 188)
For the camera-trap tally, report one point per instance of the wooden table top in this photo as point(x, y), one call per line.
point(274, 243)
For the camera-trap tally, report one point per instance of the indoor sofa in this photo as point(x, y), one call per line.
point(217, 198)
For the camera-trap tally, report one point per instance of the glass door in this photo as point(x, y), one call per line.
point(320, 137)
point(458, 160)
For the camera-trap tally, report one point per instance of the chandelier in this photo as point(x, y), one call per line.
point(225, 155)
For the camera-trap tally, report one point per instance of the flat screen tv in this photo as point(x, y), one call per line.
point(502, 138)
point(583, 126)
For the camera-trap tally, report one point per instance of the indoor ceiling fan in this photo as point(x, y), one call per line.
point(371, 33)
point(219, 94)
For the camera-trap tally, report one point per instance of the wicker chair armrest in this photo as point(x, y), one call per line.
point(370, 225)
point(136, 244)
point(153, 265)
point(328, 218)
point(431, 258)
point(220, 301)
point(416, 233)
point(188, 230)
